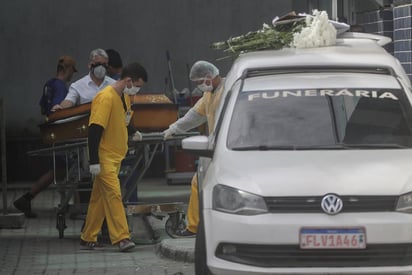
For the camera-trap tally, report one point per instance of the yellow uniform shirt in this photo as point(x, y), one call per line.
point(107, 110)
point(207, 105)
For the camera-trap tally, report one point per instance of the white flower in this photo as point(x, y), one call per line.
point(317, 33)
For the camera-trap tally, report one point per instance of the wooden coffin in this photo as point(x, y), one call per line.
point(66, 124)
point(70, 112)
point(152, 112)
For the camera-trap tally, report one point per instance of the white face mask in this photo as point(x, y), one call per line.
point(204, 87)
point(99, 72)
point(131, 91)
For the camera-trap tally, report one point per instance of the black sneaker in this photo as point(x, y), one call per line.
point(24, 205)
point(91, 245)
point(184, 233)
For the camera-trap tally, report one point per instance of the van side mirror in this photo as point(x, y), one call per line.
point(198, 145)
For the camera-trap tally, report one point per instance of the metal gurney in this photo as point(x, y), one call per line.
point(134, 167)
point(76, 167)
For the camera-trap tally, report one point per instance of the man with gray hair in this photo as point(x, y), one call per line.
point(83, 90)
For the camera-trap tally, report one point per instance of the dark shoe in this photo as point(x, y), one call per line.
point(125, 245)
point(91, 245)
point(24, 205)
point(184, 233)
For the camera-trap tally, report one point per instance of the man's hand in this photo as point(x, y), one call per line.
point(137, 136)
point(94, 169)
point(56, 107)
point(168, 133)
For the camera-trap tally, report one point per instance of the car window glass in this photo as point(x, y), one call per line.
point(309, 118)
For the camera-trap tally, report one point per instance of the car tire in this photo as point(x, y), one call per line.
point(200, 246)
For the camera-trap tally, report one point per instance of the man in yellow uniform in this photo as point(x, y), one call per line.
point(107, 141)
point(206, 76)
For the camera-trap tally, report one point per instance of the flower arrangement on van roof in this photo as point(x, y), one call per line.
point(291, 30)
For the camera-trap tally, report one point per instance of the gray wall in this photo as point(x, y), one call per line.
point(33, 34)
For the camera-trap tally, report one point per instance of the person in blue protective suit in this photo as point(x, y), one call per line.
point(54, 91)
point(107, 143)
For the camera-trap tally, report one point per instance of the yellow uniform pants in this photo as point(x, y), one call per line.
point(193, 207)
point(106, 202)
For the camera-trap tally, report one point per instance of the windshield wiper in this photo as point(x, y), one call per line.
point(291, 147)
point(375, 145)
point(264, 148)
point(341, 146)
point(338, 146)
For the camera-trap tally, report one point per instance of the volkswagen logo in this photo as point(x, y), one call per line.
point(331, 204)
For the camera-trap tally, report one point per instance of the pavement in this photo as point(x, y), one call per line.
point(35, 247)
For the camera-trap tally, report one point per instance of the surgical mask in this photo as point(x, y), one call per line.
point(131, 91)
point(204, 87)
point(99, 71)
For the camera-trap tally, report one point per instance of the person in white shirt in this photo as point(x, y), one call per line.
point(84, 90)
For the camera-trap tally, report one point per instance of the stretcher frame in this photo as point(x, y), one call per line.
point(74, 149)
point(142, 154)
point(146, 149)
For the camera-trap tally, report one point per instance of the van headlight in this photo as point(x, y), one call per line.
point(405, 203)
point(235, 201)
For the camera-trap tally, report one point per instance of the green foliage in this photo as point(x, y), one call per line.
point(268, 37)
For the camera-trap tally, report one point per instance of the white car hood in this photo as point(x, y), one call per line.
point(302, 173)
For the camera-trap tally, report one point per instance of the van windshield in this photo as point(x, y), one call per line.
point(327, 118)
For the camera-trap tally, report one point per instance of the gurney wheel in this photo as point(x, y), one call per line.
point(175, 222)
point(61, 224)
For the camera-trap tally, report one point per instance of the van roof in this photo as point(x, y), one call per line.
point(347, 53)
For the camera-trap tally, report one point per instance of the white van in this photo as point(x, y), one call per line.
point(309, 169)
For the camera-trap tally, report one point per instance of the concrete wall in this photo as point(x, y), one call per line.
point(33, 34)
